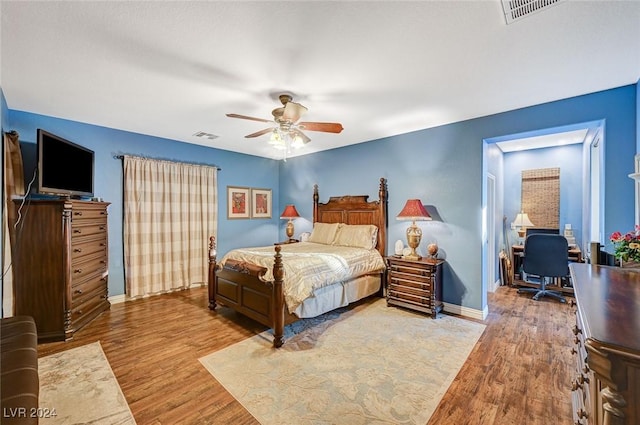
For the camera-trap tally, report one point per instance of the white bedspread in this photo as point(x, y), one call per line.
point(308, 266)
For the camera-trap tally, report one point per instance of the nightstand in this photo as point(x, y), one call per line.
point(415, 284)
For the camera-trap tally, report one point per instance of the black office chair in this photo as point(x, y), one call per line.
point(545, 257)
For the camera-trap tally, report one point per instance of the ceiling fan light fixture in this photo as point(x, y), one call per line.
point(297, 142)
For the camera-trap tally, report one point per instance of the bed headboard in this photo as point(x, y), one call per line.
point(356, 209)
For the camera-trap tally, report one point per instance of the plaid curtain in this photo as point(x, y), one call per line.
point(13, 186)
point(170, 210)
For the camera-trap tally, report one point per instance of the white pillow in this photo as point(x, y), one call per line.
point(324, 233)
point(357, 235)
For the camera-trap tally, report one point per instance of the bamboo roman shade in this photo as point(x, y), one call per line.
point(541, 196)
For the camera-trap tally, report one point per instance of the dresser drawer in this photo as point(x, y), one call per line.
point(87, 266)
point(87, 211)
point(89, 227)
point(94, 287)
point(423, 270)
point(86, 246)
point(89, 309)
point(418, 282)
point(406, 277)
point(403, 295)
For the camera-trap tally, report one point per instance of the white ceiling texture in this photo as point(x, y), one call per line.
point(381, 68)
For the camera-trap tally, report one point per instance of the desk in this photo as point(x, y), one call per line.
point(517, 253)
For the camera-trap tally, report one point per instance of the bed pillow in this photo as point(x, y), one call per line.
point(324, 233)
point(357, 235)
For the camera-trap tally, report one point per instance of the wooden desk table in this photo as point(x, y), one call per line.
point(517, 254)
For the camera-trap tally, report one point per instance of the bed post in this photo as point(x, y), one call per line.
point(212, 273)
point(278, 304)
point(382, 230)
point(316, 199)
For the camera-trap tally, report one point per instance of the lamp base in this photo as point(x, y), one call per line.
point(290, 230)
point(412, 256)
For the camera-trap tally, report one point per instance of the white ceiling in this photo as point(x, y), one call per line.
point(171, 69)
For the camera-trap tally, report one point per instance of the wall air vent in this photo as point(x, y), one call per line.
point(205, 135)
point(514, 10)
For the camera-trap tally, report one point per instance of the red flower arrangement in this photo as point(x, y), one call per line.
point(627, 246)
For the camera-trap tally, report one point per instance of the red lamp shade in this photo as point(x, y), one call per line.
point(413, 210)
point(289, 212)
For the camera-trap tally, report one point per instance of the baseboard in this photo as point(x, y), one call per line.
point(117, 299)
point(466, 311)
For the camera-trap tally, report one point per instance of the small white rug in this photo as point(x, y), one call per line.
point(77, 386)
point(374, 365)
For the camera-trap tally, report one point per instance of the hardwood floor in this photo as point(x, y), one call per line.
point(518, 373)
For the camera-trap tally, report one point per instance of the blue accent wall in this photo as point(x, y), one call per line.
point(108, 143)
point(4, 112)
point(569, 160)
point(443, 166)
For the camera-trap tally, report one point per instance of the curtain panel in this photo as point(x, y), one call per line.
point(170, 210)
point(13, 176)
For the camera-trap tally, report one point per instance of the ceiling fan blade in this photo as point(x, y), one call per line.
point(244, 117)
point(259, 133)
point(304, 137)
point(327, 127)
point(293, 111)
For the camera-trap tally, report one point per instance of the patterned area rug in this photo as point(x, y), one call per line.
point(370, 365)
point(77, 386)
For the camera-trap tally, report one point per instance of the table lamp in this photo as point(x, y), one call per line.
point(521, 223)
point(289, 213)
point(413, 210)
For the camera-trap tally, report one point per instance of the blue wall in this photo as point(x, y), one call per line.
point(107, 143)
point(443, 166)
point(4, 111)
point(569, 160)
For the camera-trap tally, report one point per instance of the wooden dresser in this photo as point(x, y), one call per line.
point(60, 265)
point(415, 284)
point(606, 385)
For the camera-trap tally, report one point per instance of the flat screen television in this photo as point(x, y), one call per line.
point(64, 168)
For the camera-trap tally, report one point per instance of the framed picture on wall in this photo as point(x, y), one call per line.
point(261, 203)
point(238, 202)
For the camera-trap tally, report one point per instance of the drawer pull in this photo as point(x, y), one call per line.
point(103, 213)
point(102, 244)
point(77, 231)
point(77, 250)
point(77, 271)
point(78, 213)
point(78, 291)
point(102, 227)
point(79, 312)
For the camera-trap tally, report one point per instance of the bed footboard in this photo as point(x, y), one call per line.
point(239, 285)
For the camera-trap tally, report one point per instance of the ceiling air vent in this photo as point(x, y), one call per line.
point(205, 135)
point(515, 10)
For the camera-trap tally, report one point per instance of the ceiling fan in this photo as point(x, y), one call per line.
point(287, 122)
